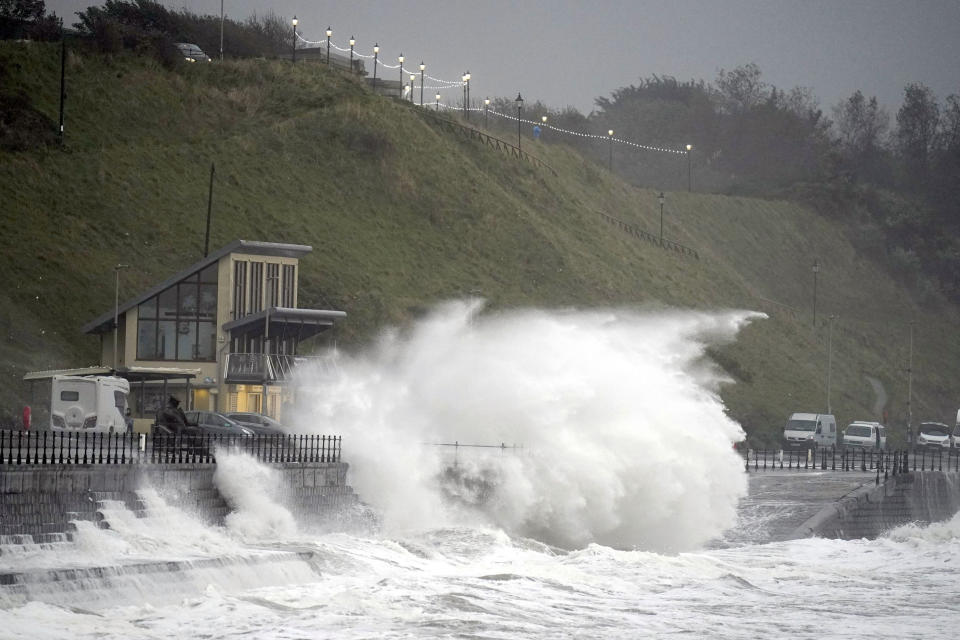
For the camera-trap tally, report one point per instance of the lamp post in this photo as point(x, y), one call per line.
point(463, 91)
point(400, 60)
point(221, 30)
point(422, 67)
point(376, 52)
point(467, 78)
point(329, 33)
point(352, 42)
point(543, 129)
point(816, 269)
point(412, 78)
point(689, 172)
point(116, 309)
point(610, 160)
point(486, 111)
point(661, 199)
point(519, 113)
point(294, 22)
point(438, 102)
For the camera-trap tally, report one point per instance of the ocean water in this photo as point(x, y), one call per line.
point(622, 515)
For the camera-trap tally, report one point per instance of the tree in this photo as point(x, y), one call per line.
point(916, 135)
point(742, 89)
point(861, 125)
point(25, 10)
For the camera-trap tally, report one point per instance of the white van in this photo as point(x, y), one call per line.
point(809, 431)
point(863, 435)
point(88, 403)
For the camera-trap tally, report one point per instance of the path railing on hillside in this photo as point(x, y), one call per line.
point(490, 141)
point(637, 232)
point(887, 461)
point(68, 447)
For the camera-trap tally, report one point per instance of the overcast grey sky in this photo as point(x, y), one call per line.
point(568, 52)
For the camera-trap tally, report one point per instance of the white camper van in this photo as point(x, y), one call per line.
point(809, 431)
point(88, 403)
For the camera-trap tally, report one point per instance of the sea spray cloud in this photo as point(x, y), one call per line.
point(625, 441)
point(252, 490)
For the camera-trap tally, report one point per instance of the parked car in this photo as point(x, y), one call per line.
point(191, 52)
point(863, 435)
point(933, 435)
point(211, 422)
point(809, 431)
point(259, 424)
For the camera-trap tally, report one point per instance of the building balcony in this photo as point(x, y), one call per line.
point(271, 368)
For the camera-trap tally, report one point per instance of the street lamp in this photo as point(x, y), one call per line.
point(467, 78)
point(352, 42)
point(412, 78)
point(329, 33)
point(463, 91)
point(437, 102)
point(376, 52)
point(486, 111)
point(294, 22)
point(116, 310)
point(400, 59)
point(543, 119)
point(689, 174)
point(661, 199)
point(829, 361)
point(610, 161)
point(422, 67)
point(816, 269)
point(221, 30)
point(519, 113)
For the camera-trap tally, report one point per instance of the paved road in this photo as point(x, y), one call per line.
point(780, 501)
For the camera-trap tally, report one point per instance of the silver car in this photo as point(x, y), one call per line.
point(259, 424)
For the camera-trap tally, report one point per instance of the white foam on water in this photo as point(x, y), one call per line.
point(625, 440)
point(253, 492)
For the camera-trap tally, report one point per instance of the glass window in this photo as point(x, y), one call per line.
point(239, 289)
point(120, 400)
point(166, 340)
point(186, 339)
point(168, 304)
point(208, 302)
point(289, 282)
point(147, 339)
point(69, 396)
point(273, 284)
point(148, 309)
point(256, 286)
point(209, 274)
point(187, 306)
point(206, 341)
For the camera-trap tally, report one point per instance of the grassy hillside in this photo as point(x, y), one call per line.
point(402, 213)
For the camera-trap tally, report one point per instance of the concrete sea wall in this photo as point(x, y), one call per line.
point(42, 501)
point(919, 496)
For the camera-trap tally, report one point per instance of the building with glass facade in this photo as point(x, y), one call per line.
point(232, 317)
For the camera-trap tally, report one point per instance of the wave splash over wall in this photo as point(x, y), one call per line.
point(625, 440)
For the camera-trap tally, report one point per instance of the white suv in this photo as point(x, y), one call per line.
point(933, 435)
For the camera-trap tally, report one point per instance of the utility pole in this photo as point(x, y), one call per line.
point(206, 238)
point(63, 78)
point(910, 390)
point(116, 311)
point(829, 360)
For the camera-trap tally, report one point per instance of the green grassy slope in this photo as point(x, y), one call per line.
point(402, 213)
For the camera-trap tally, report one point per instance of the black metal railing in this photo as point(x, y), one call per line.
point(261, 368)
point(886, 461)
point(490, 141)
point(70, 447)
point(663, 243)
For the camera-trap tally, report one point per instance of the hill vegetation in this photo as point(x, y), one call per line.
point(402, 214)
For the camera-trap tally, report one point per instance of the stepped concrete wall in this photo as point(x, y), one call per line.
point(42, 501)
point(920, 496)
